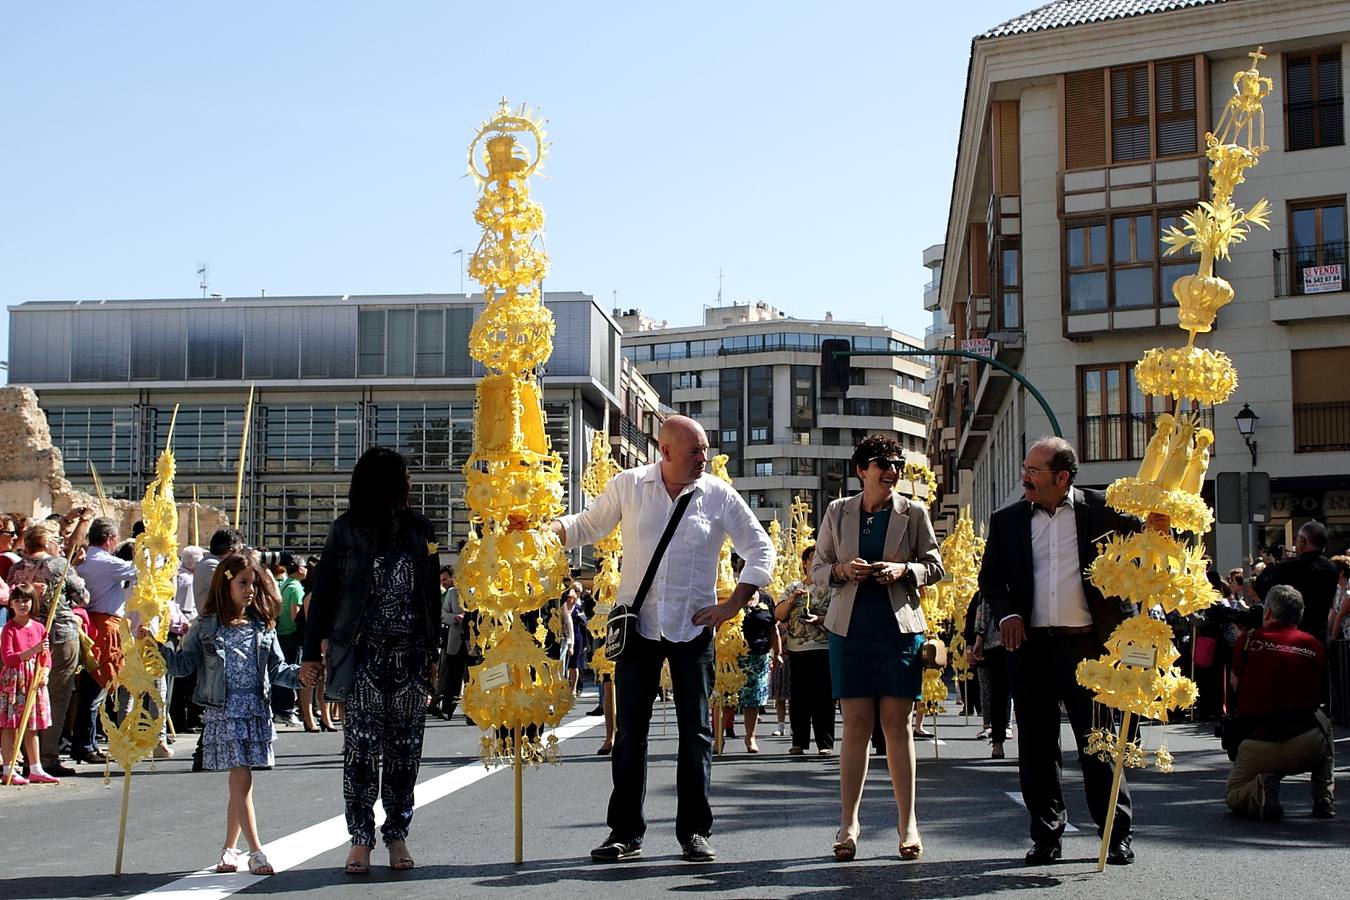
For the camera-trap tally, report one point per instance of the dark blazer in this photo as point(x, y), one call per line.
point(342, 585)
point(1006, 571)
point(1315, 578)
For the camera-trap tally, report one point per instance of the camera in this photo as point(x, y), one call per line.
point(267, 558)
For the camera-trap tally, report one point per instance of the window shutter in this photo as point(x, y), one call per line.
point(1299, 97)
point(1129, 114)
point(1330, 106)
point(1007, 154)
point(1175, 103)
point(1084, 119)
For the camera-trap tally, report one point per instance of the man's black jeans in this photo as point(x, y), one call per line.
point(637, 678)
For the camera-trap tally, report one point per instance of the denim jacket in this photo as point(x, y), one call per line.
point(203, 654)
point(342, 585)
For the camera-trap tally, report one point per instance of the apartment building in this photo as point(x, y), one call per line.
point(1082, 139)
point(751, 375)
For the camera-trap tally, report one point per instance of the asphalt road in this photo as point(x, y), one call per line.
point(776, 817)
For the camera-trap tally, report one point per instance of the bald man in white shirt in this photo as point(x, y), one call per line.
point(675, 622)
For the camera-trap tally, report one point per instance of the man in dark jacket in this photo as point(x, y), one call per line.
point(1311, 574)
point(1050, 619)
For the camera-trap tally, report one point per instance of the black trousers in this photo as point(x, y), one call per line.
point(811, 700)
point(283, 698)
point(637, 677)
point(996, 671)
point(450, 680)
point(1042, 675)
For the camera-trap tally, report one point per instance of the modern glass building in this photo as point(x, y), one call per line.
point(332, 377)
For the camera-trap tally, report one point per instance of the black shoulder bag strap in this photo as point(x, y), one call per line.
point(676, 515)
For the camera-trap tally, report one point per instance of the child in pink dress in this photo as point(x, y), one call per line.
point(26, 658)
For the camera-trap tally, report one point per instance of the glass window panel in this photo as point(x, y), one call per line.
point(1092, 392)
point(1077, 247)
point(1333, 224)
point(430, 342)
point(1111, 390)
point(1143, 232)
point(1087, 291)
point(1305, 227)
point(1010, 276)
point(1097, 238)
point(1134, 287)
point(1012, 311)
point(1121, 249)
point(399, 347)
point(1169, 275)
point(370, 342)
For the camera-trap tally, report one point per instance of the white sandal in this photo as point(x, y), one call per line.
point(257, 861)
point(229, 860)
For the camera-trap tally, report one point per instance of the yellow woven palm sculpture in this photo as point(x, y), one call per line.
point(1137, 674)
point(729, 643)
point(605, 586)
point(513, 476)
point(156, 559)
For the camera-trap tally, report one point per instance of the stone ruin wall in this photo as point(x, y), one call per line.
point(33, 475)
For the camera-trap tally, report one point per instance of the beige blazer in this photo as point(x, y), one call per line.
point(909, 539)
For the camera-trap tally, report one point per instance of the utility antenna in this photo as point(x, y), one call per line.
point(201, 273)
point(719, 286)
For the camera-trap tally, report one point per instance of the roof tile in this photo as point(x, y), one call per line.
point(1066, 13)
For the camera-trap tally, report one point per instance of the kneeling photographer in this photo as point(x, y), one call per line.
point(1278, 672)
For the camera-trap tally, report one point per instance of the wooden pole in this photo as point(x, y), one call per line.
point(31, 699)
point(243, 454)
point(122, 826)
point(717, 726)
point(520, 807)
point(1115, 790)
point(1193, 664)
point(935, 734)
point(98, 489)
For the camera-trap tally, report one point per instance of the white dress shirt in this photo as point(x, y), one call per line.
point(686, 580)
point(1057, 574)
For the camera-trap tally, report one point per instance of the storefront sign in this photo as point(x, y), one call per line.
point(1321, 279)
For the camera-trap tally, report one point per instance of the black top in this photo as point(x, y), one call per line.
point(759, 624)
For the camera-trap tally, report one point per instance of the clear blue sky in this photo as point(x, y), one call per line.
point(805, 149)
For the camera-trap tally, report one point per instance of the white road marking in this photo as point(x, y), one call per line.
point(295, 849)
point(1017, 798)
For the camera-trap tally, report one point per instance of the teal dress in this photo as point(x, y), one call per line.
point(875, 659)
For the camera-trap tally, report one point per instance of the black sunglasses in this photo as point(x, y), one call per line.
point(885, 463)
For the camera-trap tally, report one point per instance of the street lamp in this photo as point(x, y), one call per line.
point(1246, 426)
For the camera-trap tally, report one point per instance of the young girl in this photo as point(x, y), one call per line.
point(26, 657)
point(233, 647)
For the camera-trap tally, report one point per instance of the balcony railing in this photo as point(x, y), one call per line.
point(1321, 427)
point(1123, 436)
point(931, 330)
point(1314, 269)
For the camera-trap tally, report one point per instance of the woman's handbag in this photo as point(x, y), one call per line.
point(341, 671)
point(1204, 650)
point(934, 654)
point(623, 619)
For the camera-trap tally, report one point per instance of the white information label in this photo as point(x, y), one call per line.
point(1140, 657)
point(604, 609)
point(495, 677)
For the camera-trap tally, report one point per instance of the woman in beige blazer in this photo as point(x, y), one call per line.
point(877, 548)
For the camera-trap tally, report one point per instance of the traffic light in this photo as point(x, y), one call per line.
point(834, 369)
